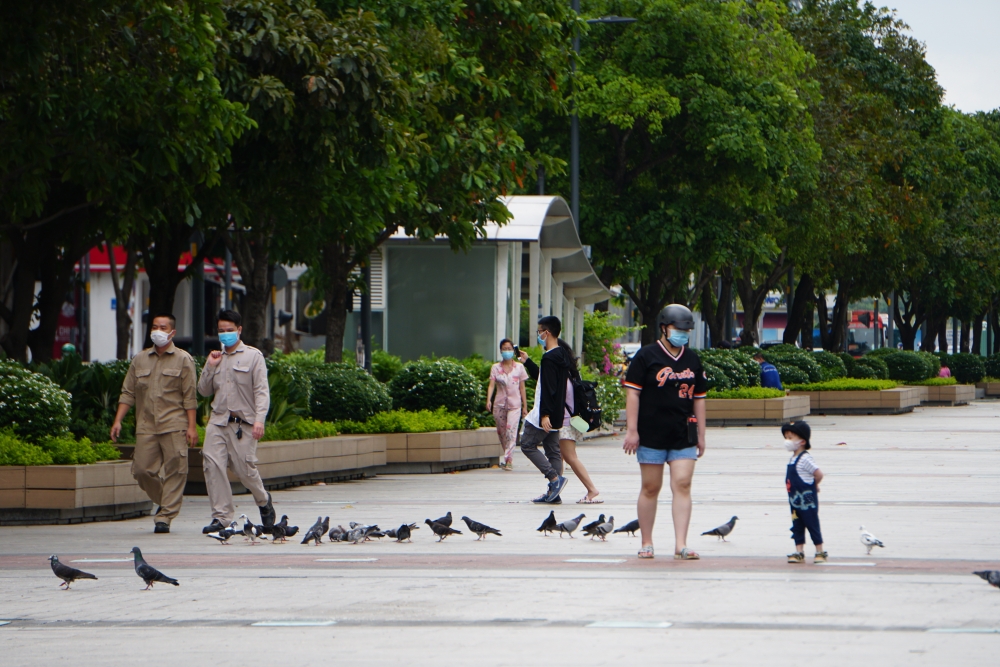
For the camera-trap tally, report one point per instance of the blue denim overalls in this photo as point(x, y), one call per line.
point(805, 505)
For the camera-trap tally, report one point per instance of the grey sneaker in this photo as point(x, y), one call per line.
point(555, 488)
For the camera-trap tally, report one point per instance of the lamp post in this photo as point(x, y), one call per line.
point(574, 128)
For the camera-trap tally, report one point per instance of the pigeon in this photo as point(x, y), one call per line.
point(403, 532)
point(723, 530)
point(440, 530)
point(569, 526)
point(870, 541)
point(66, 573)
point(587, 530)
point(223, 535)
point(606, 527)
point(992, 577)
point(277, 532)
point(356, 535)
point(148, 573)
point(549, 525)
point(480, 529)
point(390, 532)
point(325, 527)
point(316, 531)
point(445, 520)
point(629, 527)
point(251, 531)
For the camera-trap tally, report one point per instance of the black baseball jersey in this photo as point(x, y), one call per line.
point(669, 387)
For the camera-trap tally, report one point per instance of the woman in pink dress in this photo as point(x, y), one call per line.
point(507, 378)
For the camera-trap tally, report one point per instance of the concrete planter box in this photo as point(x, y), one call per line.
point(755, 412)
point(441, 451)
point(989, 388)
point(954, 394)
point(70, 494)
point(886, 402)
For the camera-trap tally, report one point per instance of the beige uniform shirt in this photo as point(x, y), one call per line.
point(239, 383)
point(161, 387)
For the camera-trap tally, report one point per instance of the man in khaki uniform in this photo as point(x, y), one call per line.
point(160, 384)
point(237, 377)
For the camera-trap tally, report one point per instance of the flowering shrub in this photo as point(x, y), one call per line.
point(429, 385)
point(31, 404)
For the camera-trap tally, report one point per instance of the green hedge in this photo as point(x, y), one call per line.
point(846, 384)
point(717, 378)
point(403, 421)
point(429, 385)
point(791, 374)
point(832, 366)
point(747, 392)
point(933, 382)
point(906, 366)
point(933, 362)
point(344, 391)
point(59, 450)
point(32, 405)
point(385, 366)
point(967, 368)
point(870, 368)
point(738, 367)
point(992, 364)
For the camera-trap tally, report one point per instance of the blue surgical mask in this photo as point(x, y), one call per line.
point(507, 354)
point(541, 341)
point(678, 338)
point(229, 338)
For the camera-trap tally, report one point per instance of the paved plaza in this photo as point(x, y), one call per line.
point(927, 484)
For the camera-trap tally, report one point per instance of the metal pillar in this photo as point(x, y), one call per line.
point(366, 314)
point(954, 335)
point(890, 304)
point(574, 137)
point(85, 306)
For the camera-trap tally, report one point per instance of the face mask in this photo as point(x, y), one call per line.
point(229, 338)
point(678, 338)
point(160, 338)
point(507, 355)
point(791, 445)
point(541, 340)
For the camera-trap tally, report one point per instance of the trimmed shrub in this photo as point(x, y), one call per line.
point(385, 366)
point(882, 352)
point(831, 365)
point(791, 374)
point(878, 369)
point(992, 364)
point(344, 391)
point(933, 362)
point(15, 452)
point(848, 361)
point(934, 382)
point(32, 404)
point(740, 369)
point(403, 421)
point(847, 384)
point(967, 368)
point(429, 385)
point(717, 378)
point(906, 366)
point(747, 392)
point(789, 355)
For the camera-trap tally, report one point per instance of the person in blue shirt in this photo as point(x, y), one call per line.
point(769, 376)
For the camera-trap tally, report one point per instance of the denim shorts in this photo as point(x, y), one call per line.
point(661, 456)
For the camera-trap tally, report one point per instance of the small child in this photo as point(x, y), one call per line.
point(802, 478)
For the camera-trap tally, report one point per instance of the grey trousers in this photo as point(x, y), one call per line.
point(550, 463)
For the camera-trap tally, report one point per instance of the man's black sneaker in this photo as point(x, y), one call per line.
point(555, 488)
point(213, 527)
point(161, 527)
point(555, 501)
point(267, 515)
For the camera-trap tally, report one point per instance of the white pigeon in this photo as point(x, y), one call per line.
point(870, 540)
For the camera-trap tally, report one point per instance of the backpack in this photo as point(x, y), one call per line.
point(585, 405)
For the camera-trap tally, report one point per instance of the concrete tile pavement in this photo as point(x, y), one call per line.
point(926, 484)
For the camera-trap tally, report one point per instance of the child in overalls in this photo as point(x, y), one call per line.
point(802, 478)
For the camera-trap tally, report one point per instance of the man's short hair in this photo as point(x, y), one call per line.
point(169, 316)
point(230, 316)
point(759, 355)
point(551, 324)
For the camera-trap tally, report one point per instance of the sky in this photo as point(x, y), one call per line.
point(962, 43)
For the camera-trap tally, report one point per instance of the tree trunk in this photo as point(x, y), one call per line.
point(807, 323)
point(800, 304)
point(964, 340)
point(908, 320)
point(838, 321)
point(336, 271)
point(123, 294)
point(251, 251)
point(753, 298)
point(977, 334)
point(161, 260)
point(824, 320)
point(26, 249)
point(713, 309)
point(942, 335)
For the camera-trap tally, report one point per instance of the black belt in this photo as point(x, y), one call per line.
point(239, 428)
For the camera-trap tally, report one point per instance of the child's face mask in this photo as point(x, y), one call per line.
point(792, 445)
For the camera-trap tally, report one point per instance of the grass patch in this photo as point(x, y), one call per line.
point(747, 392)
point(933, 382)
point(846, 384)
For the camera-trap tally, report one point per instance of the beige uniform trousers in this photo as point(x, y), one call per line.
point(160, 466)
point(223, 450)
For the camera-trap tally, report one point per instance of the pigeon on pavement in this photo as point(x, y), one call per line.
point(480, 529)
point(148, 573)
point(723, 530)
point(569, 526)
point(445, 520)
point(356, 535)
point(629, 527)
point(316, 531)
point(251, 531)
point(992, 577)
point(870, 541)
point(223, 535)
point(403, 532)
point(440, 530)
point(336, 533)
point(66, 573)
point(549, 525)
point(602, 530)
point(587, 530)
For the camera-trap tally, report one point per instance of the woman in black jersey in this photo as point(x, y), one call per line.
point(665, 416)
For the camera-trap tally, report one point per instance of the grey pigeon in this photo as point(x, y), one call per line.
point(605, 528)
point(480, 529)
point(569, 526)
point(148, 573)
point(223, 535)
point(336, 532)
point(325, 527)
point(441, 531)
point(589, 528)
point(723, 530)
point(390, 532)
point(251, 531)
point(403, 532)
point(629, 527)
point(356, 535)
point(445, 520)
point(66, 573)
point(870, 541)
point(992, 577)
point(549, 525)
point(315, 531)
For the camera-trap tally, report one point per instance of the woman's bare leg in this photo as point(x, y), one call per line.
point(568, 449)
point(681, 472)
point(652, 482)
